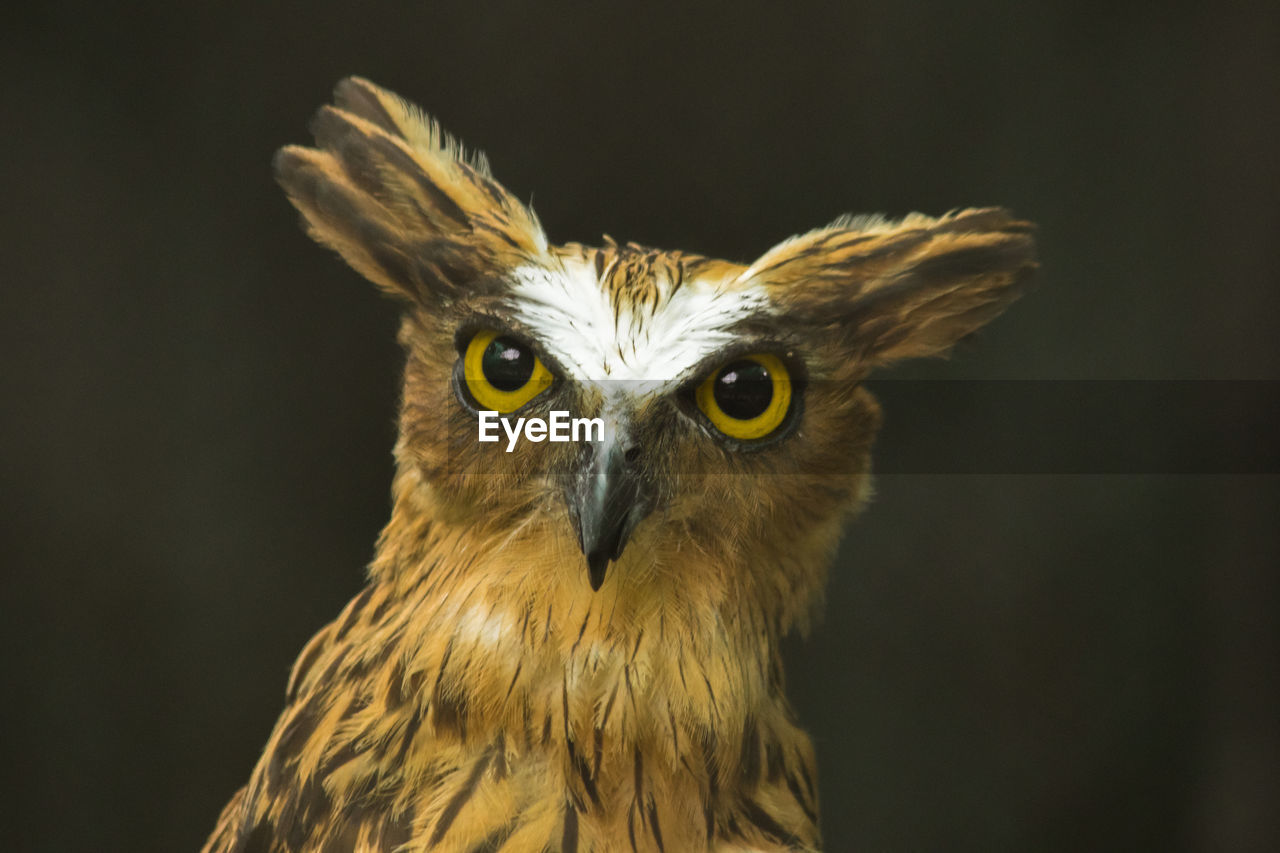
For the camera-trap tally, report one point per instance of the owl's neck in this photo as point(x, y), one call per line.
point(619, 702)
point(506, 630)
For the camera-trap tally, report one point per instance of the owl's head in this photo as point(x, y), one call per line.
point(723, 434)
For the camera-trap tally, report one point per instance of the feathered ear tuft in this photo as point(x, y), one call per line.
point(894, 290)
point(401, 201)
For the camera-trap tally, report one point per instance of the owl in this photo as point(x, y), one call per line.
point(621, 475)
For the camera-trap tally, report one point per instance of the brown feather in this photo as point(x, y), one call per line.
point(479, 694)
point(888, 291)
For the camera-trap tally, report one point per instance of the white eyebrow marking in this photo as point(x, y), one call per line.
point(568, 310)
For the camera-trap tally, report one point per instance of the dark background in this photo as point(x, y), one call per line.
point(199, 401)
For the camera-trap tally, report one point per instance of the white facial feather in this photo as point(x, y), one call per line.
point(646, 349)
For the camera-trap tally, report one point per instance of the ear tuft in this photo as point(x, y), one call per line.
point(402, 201)
point(405, 120)
point(893, 290)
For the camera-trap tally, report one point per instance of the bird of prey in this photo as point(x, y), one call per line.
point(572, 645)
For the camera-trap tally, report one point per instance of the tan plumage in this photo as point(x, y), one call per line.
point(481, 694)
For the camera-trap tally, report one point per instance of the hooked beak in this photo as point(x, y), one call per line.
point(607, 499)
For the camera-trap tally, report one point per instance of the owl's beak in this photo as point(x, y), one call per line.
point(606, 500)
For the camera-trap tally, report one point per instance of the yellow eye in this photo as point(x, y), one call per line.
point(501, 373)
point(748, 398)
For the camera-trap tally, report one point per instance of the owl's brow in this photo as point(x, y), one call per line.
point(597, 337)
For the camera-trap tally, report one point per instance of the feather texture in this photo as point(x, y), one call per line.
point(480, 694)
point(398, 198)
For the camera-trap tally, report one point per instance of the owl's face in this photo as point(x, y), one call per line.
point(716, 418)
point(734, 430)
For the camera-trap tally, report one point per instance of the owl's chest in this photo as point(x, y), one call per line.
point(490, 798)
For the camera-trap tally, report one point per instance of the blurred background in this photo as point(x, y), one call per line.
point(199, 402)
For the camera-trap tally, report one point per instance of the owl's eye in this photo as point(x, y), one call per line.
point(502, 374)
point(748, 398)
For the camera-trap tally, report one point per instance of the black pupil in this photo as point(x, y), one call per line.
point(744, 389)
point(506, 364)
